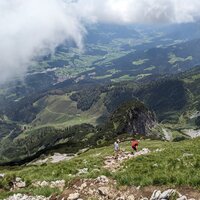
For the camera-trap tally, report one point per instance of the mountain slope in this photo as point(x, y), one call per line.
point(150, 172)
point(34, 141)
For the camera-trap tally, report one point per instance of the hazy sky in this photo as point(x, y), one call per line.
point(33, 27)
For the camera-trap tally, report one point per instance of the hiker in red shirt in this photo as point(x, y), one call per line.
point(134, 145)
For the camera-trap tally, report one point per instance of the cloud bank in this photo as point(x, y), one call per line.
point(29, 28)
point(33, 27)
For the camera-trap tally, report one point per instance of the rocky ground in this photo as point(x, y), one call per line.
point(192, 133)
point(113, 164)
point(55, 158)
point(104, 188)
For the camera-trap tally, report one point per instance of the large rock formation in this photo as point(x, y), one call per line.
point(134, 118)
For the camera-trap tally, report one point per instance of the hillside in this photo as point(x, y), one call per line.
point(56, 114)
point(151, 172)
point(32, 142)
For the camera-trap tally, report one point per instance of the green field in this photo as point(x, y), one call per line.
point(61, 111)
point(140, 62)
point(173, 59)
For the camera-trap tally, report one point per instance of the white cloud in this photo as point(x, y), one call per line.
point(138, 11)
point(31, 27)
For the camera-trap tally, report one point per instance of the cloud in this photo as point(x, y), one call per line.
point(29, 28)
point(138, 11)
point(33, 27)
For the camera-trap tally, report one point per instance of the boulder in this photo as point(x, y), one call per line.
point(2, 175)
point(182, 198)
point(73, 196)
point(156, 194)
point(58, 184)
point(104, 191)
point(44, 184)
point(18, 183)
point(84, 185)
point(83, 171)
point(18, 179)
point(169, 193)
point(102, 179)
point(130, 197)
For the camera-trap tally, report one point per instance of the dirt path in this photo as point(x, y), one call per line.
point(113, 164)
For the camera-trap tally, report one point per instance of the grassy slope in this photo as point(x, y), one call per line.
point(61, 111)
point(177, 165)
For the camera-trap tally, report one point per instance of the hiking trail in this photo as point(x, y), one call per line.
point(113, 164)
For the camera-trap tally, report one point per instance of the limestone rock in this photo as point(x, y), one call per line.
point(44, 184)
point(169, 193)
point(83, 171)
point(73, 196)
point(60, 184)
point(104, 191)
point(102, 179)
point(26, 197)
point(18, 179)
point(2, 175)
point(18, 183)
point(84, 185)
point(130, 197)
point(120, 198)
point(156, 194)
point(182, 198)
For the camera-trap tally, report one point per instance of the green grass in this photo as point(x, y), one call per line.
point(150, 68)
point(173, 59)
point(169, 167)
point(140, 76)
point(61, 111)
point(140, 62)
point(123, 78)
point(103, 77)
point(44, 191)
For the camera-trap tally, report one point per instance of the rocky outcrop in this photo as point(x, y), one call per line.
point(192, 133)
point(103, 188)
point(26, 197)
point(19, 183)
point(167, 195)
point(60, 184)
point(134, 118)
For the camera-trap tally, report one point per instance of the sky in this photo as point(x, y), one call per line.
point(30, 28)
